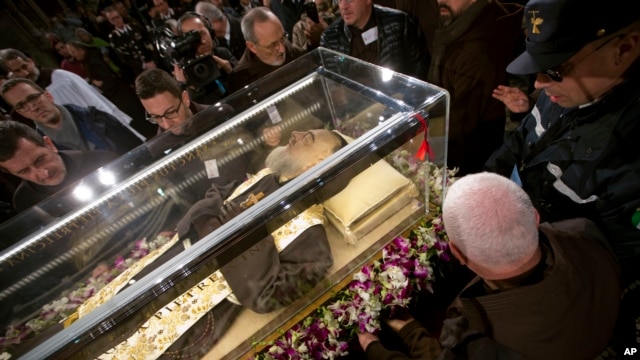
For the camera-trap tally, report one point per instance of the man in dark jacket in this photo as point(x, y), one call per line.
point(205, 86)
point(474, 43)
point(43, 169)
point(379, 35)
point(131, 43)
point(575, 154)
point(540, 291)
point(267, 50)
point(69, 126)
point(227, 29)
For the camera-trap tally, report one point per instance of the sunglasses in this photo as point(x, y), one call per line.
point(557, 73)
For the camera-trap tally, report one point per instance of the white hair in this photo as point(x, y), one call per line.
point(491, 220)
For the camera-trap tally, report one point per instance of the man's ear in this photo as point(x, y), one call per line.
point(251, 46)
point(628, 48)
point(48, 96)
point(457, 253)
point(48, 143)
point(185, 98)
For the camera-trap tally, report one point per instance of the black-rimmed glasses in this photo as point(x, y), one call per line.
point(169, 115)
point(25, 105)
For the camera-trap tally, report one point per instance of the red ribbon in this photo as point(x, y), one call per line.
point(425, 148)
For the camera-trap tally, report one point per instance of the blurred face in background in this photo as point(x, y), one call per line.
point(77, 53)
point(270, 42)
point(450, 10)
point(115, 19)
point(25, 69)
point(355, 12)
point(61, 48)
point(161, 6)
point(206, 42)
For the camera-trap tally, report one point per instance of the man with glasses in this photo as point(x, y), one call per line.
point(267, 48)
point(576, 153)
point(69, 126)
point(179, 119)
point(67, 88)
point(166, 103)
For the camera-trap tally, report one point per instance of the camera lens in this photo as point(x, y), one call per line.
point(201, 71)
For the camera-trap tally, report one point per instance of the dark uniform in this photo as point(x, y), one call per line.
point(133, 47)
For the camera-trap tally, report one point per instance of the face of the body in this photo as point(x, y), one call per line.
point(269, 47)
point(355, 12)
point(589, 74)
point(206, 42)
point(175, 109)
point(304, 150)
point(39, 108)
point(115, 19)
point(452, 9)
point(25, 69)
point(38, 164)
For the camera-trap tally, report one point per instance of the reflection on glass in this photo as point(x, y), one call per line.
point(219, 210)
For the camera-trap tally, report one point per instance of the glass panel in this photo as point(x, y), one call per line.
point(176, 184)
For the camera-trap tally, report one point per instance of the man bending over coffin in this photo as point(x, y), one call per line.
point(271, 274)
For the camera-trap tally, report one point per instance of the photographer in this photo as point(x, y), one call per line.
point(206, 81)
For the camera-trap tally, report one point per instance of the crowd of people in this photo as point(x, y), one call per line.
point(551, 229)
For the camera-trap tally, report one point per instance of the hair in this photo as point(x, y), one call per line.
point(78, 44)
point(152, 82)
point(260, 15)
point(11, 83)
point(109, 9)
point(192, 15)
point(208, 10)
point(11, 54)
point(12, 131)
point(81, 30)
point(491, 220)
point(281, 164)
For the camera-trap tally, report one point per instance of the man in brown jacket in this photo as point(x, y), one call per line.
point(547, 291)
point(471, 49)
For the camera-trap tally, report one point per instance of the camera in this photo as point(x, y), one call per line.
point(199, 71)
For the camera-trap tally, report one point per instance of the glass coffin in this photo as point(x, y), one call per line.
point(211, 240)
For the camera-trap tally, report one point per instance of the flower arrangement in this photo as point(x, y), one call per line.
point(69, 301)
point(384, 286)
